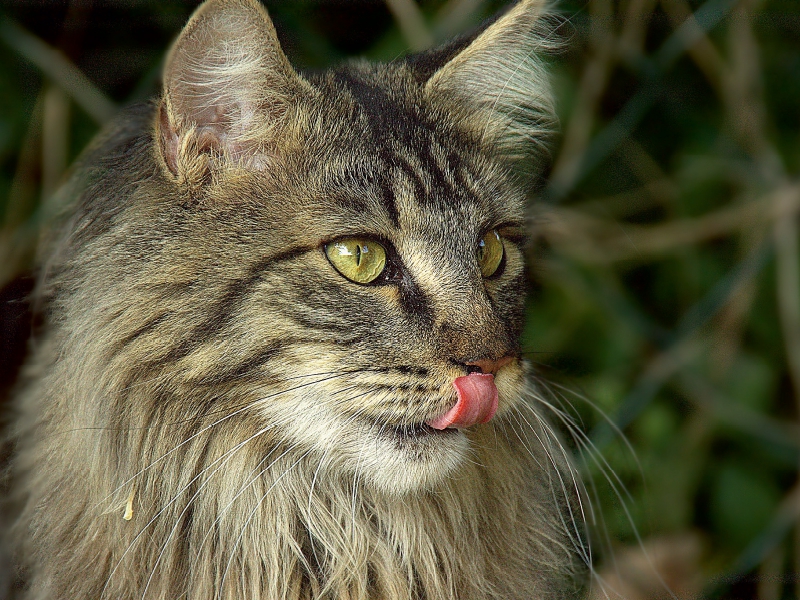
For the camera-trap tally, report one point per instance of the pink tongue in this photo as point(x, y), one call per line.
point(477, 402)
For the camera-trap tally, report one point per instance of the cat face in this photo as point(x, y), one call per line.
point(281, 351)
point(385, 353)
point(269, 180)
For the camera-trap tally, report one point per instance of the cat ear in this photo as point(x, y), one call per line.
point(498, 87)
point(227, 89)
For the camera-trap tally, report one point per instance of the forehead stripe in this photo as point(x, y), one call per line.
point(400, 132)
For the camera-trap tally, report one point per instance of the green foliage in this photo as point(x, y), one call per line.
point(663, 306)
point(742, 501)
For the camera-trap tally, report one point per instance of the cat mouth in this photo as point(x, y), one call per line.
point(476, 403)
point(414, 431)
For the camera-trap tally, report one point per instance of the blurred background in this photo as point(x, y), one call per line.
point(664, 313)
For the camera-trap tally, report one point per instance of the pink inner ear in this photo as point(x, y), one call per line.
point(477, 402)
point(206, 133)
point(226, 85)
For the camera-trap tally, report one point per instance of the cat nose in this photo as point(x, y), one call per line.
point(487, 365)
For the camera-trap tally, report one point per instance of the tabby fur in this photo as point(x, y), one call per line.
point(212, 411)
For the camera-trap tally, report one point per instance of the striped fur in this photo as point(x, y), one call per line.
point(212, 411)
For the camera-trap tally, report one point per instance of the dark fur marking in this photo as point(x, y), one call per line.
point(310, 556)
point(414, 301)
point(418, 588)
point(422, 372)
point(440, 181)
point(390, 202)
point(344, 342)
point(329, 327)
point(244, 370)
point(137, 333)
point(402, 387)
point(224, 310)
point(373, 176)
point(387, 120)
point(384, 114)
point(457, 168)
point(401, 163)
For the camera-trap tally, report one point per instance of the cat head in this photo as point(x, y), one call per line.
point(231, 98)
point(351, 241)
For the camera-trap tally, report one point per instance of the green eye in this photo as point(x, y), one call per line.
point(490, 253)
point(360, 260)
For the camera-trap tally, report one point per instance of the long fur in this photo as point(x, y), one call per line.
point(212, 411)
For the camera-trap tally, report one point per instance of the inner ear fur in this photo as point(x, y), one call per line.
point(498, 88)
point(228, 88)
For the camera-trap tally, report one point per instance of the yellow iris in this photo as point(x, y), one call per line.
point(358, 259)
point(490, 253)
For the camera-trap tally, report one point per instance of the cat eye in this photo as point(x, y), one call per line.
point(359, 259)
point(490, 253)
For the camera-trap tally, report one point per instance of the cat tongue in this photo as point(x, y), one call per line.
point(477, 402)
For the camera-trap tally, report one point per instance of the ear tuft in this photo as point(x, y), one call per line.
point(227, 89)
point(498, 86)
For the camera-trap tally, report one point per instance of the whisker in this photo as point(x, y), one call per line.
point(243, 408)
point(576, 538)
point(224, 458)
point(619, 489)
point(255, 509)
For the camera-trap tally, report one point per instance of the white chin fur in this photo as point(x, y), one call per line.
point(391, 464)
point(399, 468)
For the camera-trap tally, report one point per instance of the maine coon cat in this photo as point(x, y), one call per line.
point(281, 353)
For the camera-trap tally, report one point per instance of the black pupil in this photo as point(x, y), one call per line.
point(358, 255)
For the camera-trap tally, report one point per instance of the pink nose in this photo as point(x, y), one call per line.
point(490, 366)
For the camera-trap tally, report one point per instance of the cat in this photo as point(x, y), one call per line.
point(280, 346)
